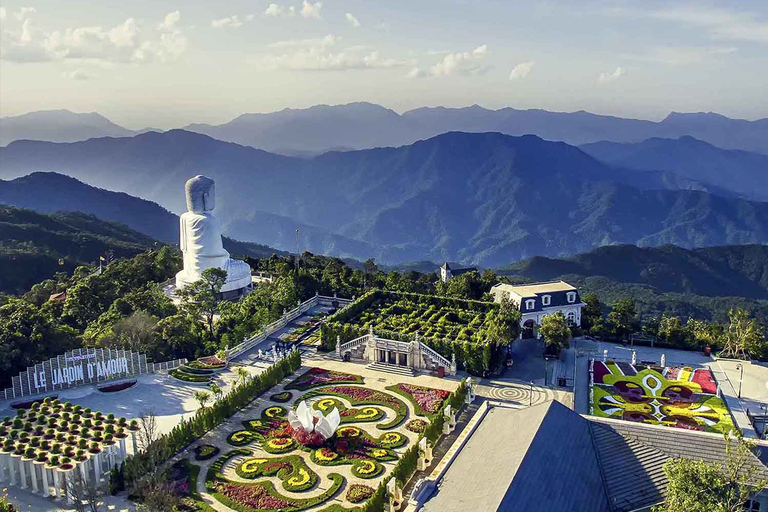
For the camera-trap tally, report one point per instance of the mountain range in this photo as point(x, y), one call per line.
point(314, 130)
point(480, 198)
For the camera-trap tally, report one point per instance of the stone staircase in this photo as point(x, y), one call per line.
point(405, 371)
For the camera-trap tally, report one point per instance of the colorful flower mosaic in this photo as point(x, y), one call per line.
point(680, 397)
point(426, 400)
point(315, 377)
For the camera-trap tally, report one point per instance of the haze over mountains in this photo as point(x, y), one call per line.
point(305, 132)
point(485, 198)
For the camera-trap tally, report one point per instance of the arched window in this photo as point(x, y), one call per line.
point(546, 300)
point(571, 297)
point(571, 318)
point(530, 304)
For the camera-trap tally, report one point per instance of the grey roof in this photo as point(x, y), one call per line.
point(518, 459)
point(681, 443)
point(515, 459)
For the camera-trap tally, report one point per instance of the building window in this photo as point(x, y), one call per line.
point(571, 318)
point(545, 300)
point(530, 304)
point(571, 297)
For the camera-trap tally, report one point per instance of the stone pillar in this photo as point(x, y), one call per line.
point(46, 491)
point(97, 467)
point(122, 450)
point(338, 347)
point(12, 470)
point(67, 484)
point(453, 368)
point(33, 473)
point(51, 476)
point(3, 464)
point(22, 474)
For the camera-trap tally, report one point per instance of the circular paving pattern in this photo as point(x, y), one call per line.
point(517, 393)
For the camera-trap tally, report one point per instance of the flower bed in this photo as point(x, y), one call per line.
point(186, 377)
point(241, 438)
point(315, 377)
point(416, 425)
point(206, 451)
point(208, 363)
point(426, 401)
point(358, 493)
point(292, 471)
point(281, 398)
point(260, 496)
point(353, 415)
point(183, 478)
point(117, 387)
point(365, 468)
point(675, 397)
point(351, 444)
point(364, 396)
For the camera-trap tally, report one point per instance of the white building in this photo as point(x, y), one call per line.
point(537, 300)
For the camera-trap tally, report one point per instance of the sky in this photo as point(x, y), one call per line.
point(165, 64)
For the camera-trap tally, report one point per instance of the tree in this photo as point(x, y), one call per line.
point(555, 331)
point(135, 332)
point(85, 495)
point(200, 299)
point(242, 375)
point(744, 336)
point(591, 314)
point(203, 397)
point(216, 390)
point(673, 331)
point(623, 318)
point(697, 486)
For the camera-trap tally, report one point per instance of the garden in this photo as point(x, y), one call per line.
point(681, 397)
point(273, 463)
point(448, 325)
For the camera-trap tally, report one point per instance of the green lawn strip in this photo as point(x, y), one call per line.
point(303, 381)
point(194, 371)
point(416, 406)
point(186, 377)
point(282, 398)
point(206, 451)
point(215, 477)
point(389, 401)
point(355, 415)
point(292, 471)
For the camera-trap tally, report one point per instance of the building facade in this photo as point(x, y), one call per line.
point(446, 272)
point(537, 300)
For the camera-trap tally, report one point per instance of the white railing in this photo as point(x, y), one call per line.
point(349, 345)
point(287, 317)
point(434, 355)
point(402, 346)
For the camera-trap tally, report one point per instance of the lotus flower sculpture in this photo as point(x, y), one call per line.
point(312, 427)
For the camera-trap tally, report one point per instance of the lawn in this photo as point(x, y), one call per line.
point(680, 397)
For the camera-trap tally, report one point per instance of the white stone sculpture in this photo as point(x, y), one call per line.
point(634, 357)
point(663, 360)
point(307, 420)
point(200, 239)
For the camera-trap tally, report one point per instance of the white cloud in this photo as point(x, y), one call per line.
point(311, 10)
point(273, 10)
point(607, 78)
point(319, 55)
point(462, 63)
point(250, 17)
point(24, 13)
point(79, 75)
point(231, 21)
point(3, 13)
point(416, 73)
point(521, 71)
point(124, 43)
point(352, 20)
point(170, 21)
point(721, 24)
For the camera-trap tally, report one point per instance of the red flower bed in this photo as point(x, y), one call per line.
point(253, 496)
point(117, 387)
point(212, 361)
point(428, 399)
point(358, 493)
point(315, 377)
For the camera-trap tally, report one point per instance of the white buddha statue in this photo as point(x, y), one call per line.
point(201, 239)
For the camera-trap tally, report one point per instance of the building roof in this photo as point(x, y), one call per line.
point(549, 457)
point(515, 461)
point(527, 290)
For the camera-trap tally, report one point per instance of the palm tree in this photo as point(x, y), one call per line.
point(216, 390)
point(242, 374)
point(203, 397)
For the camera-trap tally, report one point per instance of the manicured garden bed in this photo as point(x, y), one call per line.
point(292, 471)
point(315, 377)
point(187, 377)
point(282, 398)
point(206, 451)
point(426, 401)
point(672, 396)
point(448, 325)
point(353, 415)
point(357, 395)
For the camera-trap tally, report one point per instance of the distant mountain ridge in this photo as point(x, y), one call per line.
point(475, 198)
point(361, 125)
point(742, 172)
point(49, 193)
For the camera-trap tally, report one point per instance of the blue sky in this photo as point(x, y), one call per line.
point(166, 64)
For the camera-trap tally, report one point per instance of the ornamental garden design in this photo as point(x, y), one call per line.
point(268, 465)
point(680, 397)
